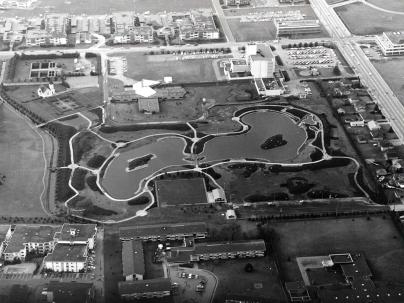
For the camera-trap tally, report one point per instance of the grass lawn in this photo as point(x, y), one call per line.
point(377, 238)
point(181, 191)
point(394, 5)
point(140, 67)
point(233, 280)
point(170, 5)
point(363, 20)
point(252, 31)
point(392, 72)
point(22, 164)
point(259, 183)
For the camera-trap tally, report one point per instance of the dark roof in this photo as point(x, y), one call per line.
point(144, 286)
point(132, 258)
point(65, 292)
point(296, 289)
point(358, 269)
point(76, 232)
point(67, 253)
point(228, 247)
point(162, 230)
point(341, 258)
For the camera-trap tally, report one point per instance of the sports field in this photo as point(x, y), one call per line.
point(180, 191)
point(22, 166)
point(377, 237)
point(364, 20)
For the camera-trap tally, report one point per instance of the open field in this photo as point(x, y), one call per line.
point(263, 282)
point(391, 71)
point(171, 192)
point(72, 7)
point(394, 5)
point(22, 165)
point(377, 237)
point(169, 5)
point(141, 67)
point(364, 20)
point(252, 31)
point(67, 103)
point(261, 183)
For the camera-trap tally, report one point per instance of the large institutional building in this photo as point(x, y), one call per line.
point(391, 43)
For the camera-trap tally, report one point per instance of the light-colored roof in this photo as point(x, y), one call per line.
point(76, 232)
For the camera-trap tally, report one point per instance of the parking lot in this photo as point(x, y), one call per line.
point(192, 284)
point(304, 57)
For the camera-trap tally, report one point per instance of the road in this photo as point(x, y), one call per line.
point(223, 22)
point(389, 104)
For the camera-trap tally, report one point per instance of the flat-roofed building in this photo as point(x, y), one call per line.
point(391, 43)
point(67, 258)
point(228, 250)
point(164, 231)
point(297, 27)
point(30, 238)
point(133, 267)
point(239, 66)
point(77, 234)
point(67, 292)
point(5, 235)
point(145, 289)
point(20, 4)
point(36, 37)
point(262, 62)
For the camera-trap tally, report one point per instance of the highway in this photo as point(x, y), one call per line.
point(389, 104)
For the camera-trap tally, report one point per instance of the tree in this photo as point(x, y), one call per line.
point(248, 267)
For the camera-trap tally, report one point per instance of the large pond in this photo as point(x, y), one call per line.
point(248, 145)
point(121, 184)
point(169, 151)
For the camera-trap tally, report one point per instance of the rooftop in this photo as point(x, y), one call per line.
point(228, 247)
point(144, 286)
point(76, 232)
point(357, 269)
point(395, 37)
point(66, 292)
point(161, 230)
point(30, 234)
point(68, 253)
point(132, 258)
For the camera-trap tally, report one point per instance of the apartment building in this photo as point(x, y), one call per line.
point(144, 289)
point(164, 231)
point(198, 26)
point(228, 250)
point(261, 60)
point(133, 267)
point(143, 34)
point(56, 23)
point(77, 234)
point(67, 258)
point(5, 235)
point(30, 238)
point(122, 22)
point(19, 4)
point(391, 43)
point(237, 2)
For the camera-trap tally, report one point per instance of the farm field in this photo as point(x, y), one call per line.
point(394, 5)
point(391, 71)
point(364, 20)
point(22, 166)
point(141, 67)
point(376, 236)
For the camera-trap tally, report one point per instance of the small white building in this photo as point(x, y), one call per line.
point(231, 214)
point(374, 125)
